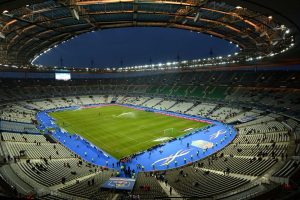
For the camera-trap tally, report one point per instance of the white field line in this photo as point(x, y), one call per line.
point(95, 138)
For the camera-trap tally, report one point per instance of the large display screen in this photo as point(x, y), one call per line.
point(119, 183)
point(63, 76)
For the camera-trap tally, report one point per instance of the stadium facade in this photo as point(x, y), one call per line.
point(254, 95)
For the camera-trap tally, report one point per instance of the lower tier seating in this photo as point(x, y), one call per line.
point(147, 187)
point(191, 182)
point(88, 187)
point(53, 172)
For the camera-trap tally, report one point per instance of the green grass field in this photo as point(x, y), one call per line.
point(122, 131)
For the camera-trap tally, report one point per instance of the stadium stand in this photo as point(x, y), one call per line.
point(165, 105)
point(18, 127)
point(264, 147)
point(36, 150)
point(52, 172)
point(202, 109)
point(17, 113)
point(181, 107)
point(17, 137)
point(147, 186)
point(224, 113)
point(243, 99)
point(152, 102)
point(187, 182)
point(88, 187)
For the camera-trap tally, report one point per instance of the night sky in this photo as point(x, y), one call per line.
point(135, 46)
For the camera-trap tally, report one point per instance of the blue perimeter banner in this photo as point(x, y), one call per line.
point(119, 183)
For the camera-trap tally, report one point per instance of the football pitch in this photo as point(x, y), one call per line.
point(122, 131)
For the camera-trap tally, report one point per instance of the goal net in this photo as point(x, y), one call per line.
point(169, 132)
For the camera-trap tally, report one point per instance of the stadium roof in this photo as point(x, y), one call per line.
point(261, 28)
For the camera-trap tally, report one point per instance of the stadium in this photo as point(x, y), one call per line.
point(215, 127)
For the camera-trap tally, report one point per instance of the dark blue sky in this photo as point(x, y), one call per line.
point(135, 46)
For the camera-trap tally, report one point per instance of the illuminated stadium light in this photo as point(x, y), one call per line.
point(266, 45)
point(2, 35)
point(196, 18)
point(229, 59)
point(6, 13)
point(263, 34)
point(204, 62)
point(75, 13)
point(274, 43)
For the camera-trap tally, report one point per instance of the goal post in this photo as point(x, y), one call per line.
point(65, 124)
point(169, 132)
